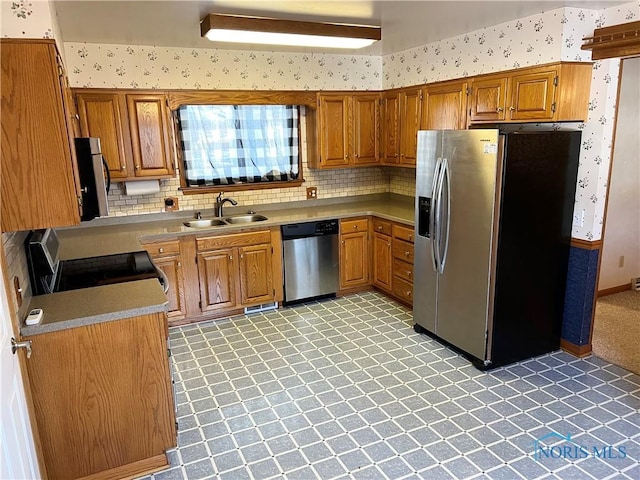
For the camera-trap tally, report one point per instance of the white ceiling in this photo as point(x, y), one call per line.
point(405, 24)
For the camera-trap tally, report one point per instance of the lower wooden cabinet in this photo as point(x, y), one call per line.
point(166, 256)
point(354, 253)
point(402, 266)
point(103, 398)
point(236, 270)
point(381, 251)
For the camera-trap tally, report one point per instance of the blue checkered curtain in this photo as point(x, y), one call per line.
point(231, 144)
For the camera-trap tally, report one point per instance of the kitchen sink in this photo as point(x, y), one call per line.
point(246, 219)
point(204, 223)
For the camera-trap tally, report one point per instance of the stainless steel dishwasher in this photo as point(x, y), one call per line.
point(311, 260)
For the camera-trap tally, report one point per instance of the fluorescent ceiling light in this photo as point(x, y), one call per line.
point(269, 31)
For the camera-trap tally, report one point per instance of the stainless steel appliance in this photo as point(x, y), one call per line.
point(493, 220)
point(48, 274)
point(311, 260)
point(92, 169)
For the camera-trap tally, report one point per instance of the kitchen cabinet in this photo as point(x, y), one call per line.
point(551, 93)
point(402, 117)
point(444, 106)
point(348, 130)
point(238, 270)
point(381, 250)
point(402, 267)
point(39, 172)
point(166, 256)
point(103, 399)
point(135, 131)
point(354, 253)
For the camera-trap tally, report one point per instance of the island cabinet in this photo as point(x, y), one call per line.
point(135, 131)
point(166, 255)
point(239, 270)
point(39, 172)
point(103, 398)
point(444, 106)
point(402, 118)
point(551, 93)
point(348, 130)
point(381, 251)
point(402, 266)
point(354, 253)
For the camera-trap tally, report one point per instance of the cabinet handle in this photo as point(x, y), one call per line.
point(406, 254)
point(342, 242)
point(137, 167)
point(230, 257)
point(379, 227)
point(161, 250)
point(179, 264)
point(499, 109)
point(511, 109)
point(389, 244)
point(123, 168)
point(408, 273)
point(241, 255)
point(408, 293)
point(395, 154)
point(357, 155)
point(355, 227)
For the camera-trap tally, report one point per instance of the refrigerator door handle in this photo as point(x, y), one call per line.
point(446, 174)
point(432, 214)
point(437, 196)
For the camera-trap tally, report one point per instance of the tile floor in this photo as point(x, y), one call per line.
point(345, 389)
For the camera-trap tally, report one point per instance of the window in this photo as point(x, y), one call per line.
point(239, 144)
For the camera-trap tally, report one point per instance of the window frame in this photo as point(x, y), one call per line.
point(226, 97)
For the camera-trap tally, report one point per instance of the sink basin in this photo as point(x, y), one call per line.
point(204, 223)
point(246, 219)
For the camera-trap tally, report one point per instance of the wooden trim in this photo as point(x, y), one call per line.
point(612, 290)
point(132, 470)
point(577, 350)
point(273, 25)
point(240, 186)
point(241, 97)
point(621, 40)
point(586, 244)
point(48, 41)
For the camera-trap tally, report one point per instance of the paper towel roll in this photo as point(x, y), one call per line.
point(142, 187)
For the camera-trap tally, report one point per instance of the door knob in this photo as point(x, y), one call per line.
point(16, 345)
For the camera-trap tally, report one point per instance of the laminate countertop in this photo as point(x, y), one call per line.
point(78, 308)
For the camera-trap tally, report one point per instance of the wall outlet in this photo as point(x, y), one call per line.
point(312, 192)
point(170, 204)
point(578, 218)
point(621, 261)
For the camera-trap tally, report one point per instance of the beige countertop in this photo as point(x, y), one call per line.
point(124, 234)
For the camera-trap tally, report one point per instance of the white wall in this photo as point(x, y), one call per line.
point(622, 232)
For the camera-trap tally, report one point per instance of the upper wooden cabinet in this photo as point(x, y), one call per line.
point(402, 119)
point(39, 177)
point(444, 106)
point(553, 93)
point(348, 130)
point(134, 130)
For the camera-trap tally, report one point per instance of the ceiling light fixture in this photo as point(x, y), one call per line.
point(271, 31)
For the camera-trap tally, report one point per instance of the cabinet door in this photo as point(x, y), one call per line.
point(172, 268)
point(532, 96)
point(391, 127)
point(256, 274)
point(488, 99)
point(382, 261)
point(411, 105)
point(354, 266)
point(366, 129)
point(444, 107)
point(38, 183)
point(334, 130)
point(218, 279)
point(101, 115)
point(150, 135)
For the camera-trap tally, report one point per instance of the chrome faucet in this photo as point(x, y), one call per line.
point(221, 201)
point(198, 215)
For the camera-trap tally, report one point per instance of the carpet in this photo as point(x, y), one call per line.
point(616, 330)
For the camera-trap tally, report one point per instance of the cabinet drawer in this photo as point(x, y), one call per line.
point(403, 250)
point(349, 226)
point(403, 233)
point(403, 289)
point(163, 249)
point(403, 270)
point(381, 226)
point(233, 240)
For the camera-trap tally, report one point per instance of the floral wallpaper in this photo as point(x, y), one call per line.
point(136, 66)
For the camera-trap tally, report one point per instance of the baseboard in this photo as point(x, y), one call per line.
point(577, 350)
point(612, 290)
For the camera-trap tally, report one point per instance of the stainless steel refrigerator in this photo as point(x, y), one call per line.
point(493, 228)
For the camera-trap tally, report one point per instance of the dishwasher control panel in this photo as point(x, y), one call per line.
point(310, 229)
